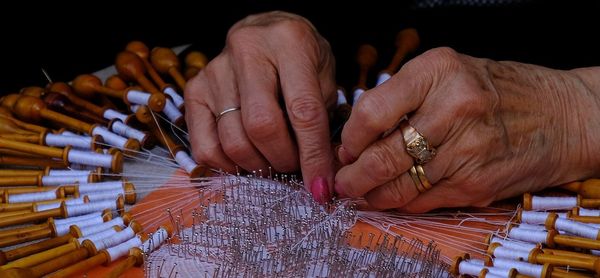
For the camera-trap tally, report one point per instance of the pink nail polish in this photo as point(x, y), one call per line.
point(344, 157)
point(320, 190)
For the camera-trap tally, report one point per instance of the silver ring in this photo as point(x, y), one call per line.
point(218, 117)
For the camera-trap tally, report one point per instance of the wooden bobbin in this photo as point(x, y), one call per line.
point(11, 181)
point(60, 212)
point(195, 61)
point(135, 258)
point(165, 61)
point(588, 189)
point(537, 256)
point(366, 59)
point(115, 82)
point(53, 265)
point(130, 66)
point(6, 114)
point(43, 256)
point(407, 41)
point(33, 91)
point(7, 126)
point(59, 103)
point(141, 50)
point(65, 90)
point(32, 162)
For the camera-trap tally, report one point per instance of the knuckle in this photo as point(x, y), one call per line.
point(203, 155)
point(307, 112)
point(262, 123)
point(394, 194)
point(381, 164)
point(236, 149)
point(440, 60)
point(368, 112)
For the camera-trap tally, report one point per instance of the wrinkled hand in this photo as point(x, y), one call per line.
point(267, 57)
point(500, 129)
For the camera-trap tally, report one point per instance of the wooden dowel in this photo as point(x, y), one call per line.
point(20, 172)
point(60, 262)
point(132, 67)
point(65, 90)
point(23, 251)
point(8, 127)
point(195, 61)
point(142, 51)
point(32, 162)
point(26, 229)
point(89, 263)
point(165, 61)
point(6, 181)
point(14, 220)
point(33, 139)
point(537, 256)
point(25, 237)
point(135, 258)
point(407, 41)
point(34, 149)
point(87, 85)
point(366, 59)
point(43, 256)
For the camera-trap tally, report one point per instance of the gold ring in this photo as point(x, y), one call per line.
point(416, 145)
point(220, 115)
point(422, 177)
point(415, 177)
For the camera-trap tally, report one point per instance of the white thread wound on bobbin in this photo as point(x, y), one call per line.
point(185, 161)
point(110, 114)
point(138, 97)
point(550, 203)
point(512, 254)
point(382, 77)
point(122, 249)
point(534, 217)
point(156, 240)
point(127, 131)
point(356, 95)
point(467, 268)
point(116, 239)
point(90, 158)
point(589, 212)
point(576, 228)
point(105, 195)
point(91, 207)
point(66, 179)
point(74, 201)
point(74, 219)
point(528, 235)
point(177, 99)
point(172, 112)
point(98, 236)
point(518, 245)
point(85, 188)
point(109, 137)
point(69, 172)
point(78, 142)
point(63, 228)
point(341, 97)
point(134, 108)
point(522, 267)
point(32, 197)
point(532, 227)
point(93, 229)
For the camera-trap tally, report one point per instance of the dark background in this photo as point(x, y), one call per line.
point(67, 41)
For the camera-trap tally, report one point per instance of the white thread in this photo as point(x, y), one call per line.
point(382, 77)
point(156, 240)
point(356, 95)
point(90, 158)
point(134, 108)
point(532, 227)
point(467, 268)
point(60, 180)
point(341, 97)
point(177, 99)
point(91, 207)
point(105, 195)
point(498, 272)
point(550, 203)
point(75, 201)
point(110, 114)
point(109, 137)
point(98, 236)
point(172, 112)
point(492, 275)
point(576, 228)
point(63, 228)
point(74, 219)
point(524, 246)
point(185, 161)
point(69, 172)
point(522, 267)
point(32, 197)
point(595, 252)
point(116, 239)
point(85, 188)
point(589, 212)
point(99, 227)
point(58, 140)
point(528, 235)
point(512, 254)
point(534, 217)
point(138, 97)
point(127, 131)
point(122, 249)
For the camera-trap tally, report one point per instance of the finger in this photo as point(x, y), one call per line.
point(233, 138)
point(262, 118)
point(393, 194)
point(308, 115)
point(383, 106)
point(382, 162)
point(204, 139)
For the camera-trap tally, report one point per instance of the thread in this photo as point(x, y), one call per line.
point(356, 95)
point(109, 137)
point(551, 203)
point(512, 254)
point(122, 249)
point(177, 99)
point(522, 267)
point(85, 188)
point(32, 197)
point(576, 228)
point(127, 131)
point(73, 219)
point(156, 240)
point(532, 227)
point(110, 114)
point(172, 112)
point(589, 212)
point(90, 158)
point(341, 98)
point(74, 201)
point(382, 77)
point(87, 230)
point(63, 228)
point(64, 179)
point(138, 97)
point(534, 217)
point(185, 161)
point(116, 239)
point(528, 235)
point(105, 195)
point(69, 172)
point(517, 245)
point(91, 207)
point(466, 268)
point(58, 140)
point(99, 236)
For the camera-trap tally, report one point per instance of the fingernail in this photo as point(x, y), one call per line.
point(320, 190)
point(345, 157)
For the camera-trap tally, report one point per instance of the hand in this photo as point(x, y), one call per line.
point(267, 57)
point(500, 129)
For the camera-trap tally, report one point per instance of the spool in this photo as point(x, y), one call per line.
point(407, 41)
point(165, 61)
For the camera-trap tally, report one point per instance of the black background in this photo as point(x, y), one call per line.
point(86, 36)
